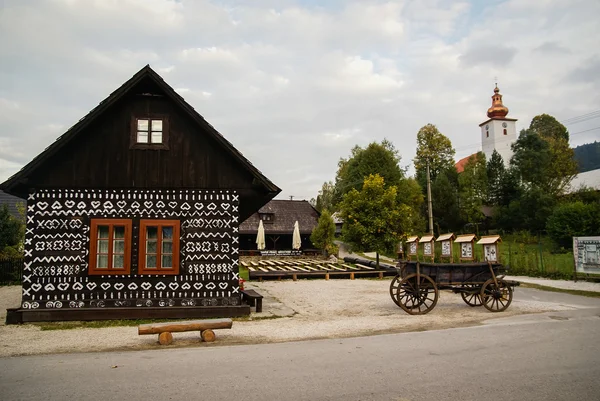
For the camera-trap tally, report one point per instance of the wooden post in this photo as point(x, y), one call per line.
point(352, 276)
point(294, 277)
point(380, 275)
point(326, 276)
point(208, 335)
point(165, 338)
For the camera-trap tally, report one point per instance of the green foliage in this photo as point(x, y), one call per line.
point(436, 148)
point(444, 194)
point(529, 212)
point(373, 218)
point(573, 219)
point(543, 156)
point(12, 233)
point(410, 194)
point(323, 234)
point(587, 156)
point(495, 175)
point(473, 188)
point(381, 159)
point(325, 198)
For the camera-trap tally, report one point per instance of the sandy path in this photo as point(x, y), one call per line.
point(311, 309)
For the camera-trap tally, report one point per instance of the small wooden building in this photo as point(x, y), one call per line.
point(428, 242)
point(467, 250)
point(446, 241)
point(278, 217)
point(134, 212)
point(412, 243)
point(491, 250)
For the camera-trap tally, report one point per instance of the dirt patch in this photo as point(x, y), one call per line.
point(294, 311)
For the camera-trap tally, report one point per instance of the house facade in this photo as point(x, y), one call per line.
point(134, 212)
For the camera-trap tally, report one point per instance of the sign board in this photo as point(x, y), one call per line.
point(586, 251)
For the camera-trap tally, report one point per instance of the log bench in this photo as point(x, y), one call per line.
point(253, 297)
point(205, 327)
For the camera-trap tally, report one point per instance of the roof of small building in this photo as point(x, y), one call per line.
point(412, 239)
point(11, 201)
point(426, 238)
point(489, 239)
point(465, 238)
point(460, 165)
point(285, 214)
point(590, 179)
point(445, 237)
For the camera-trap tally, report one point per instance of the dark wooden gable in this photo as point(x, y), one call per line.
point(97, 153)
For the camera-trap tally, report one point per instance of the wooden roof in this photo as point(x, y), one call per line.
point(426, 238)
point(489, 239)
point(285, 214)
point(465, 238)
point(17, 184)
point(412, 239)
point(445, 237)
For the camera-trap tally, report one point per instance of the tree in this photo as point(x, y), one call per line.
point(373, 218)
point(587, 156)
point(573, 219)
point(11, 234)
point(444, 193)
point(381, 159)
point(434, 147)
point(473, 188)
point(543, 156)
point(325, 198)
point(495, 175)
point(409, 193)
point(324, 233)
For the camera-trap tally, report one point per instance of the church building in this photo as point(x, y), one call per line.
point(498, 132)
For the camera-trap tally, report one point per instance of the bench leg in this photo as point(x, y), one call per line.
point(259, 305)
point(208, 335)
point(165, 338)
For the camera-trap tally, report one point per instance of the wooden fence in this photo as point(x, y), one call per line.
point(11, 270)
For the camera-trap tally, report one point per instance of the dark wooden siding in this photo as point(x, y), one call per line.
point(101, 156)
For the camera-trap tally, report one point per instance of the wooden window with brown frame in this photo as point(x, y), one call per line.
point(110, 246)
point(159, 247)
point(150, 132)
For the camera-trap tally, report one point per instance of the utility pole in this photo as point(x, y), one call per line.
point(429, 207)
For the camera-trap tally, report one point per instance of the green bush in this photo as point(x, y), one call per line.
point(573, 219)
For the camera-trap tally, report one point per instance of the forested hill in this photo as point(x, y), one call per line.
point(588, 156)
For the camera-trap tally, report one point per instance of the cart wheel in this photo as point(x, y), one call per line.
point(394, 285)
point(417, 297)
point(472, 299)
point(496, 298)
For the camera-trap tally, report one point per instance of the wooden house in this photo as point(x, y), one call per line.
point(134, 212)
point(278, 217)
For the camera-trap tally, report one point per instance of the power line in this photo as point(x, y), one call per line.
point(583, 117)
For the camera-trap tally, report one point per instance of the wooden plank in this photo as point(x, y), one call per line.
point(263, 269)
point(244, 264)
point(335, 267)
point(365, 267)
point(252, 269)
point(254, 264)
point(349, 267)
point(190, 325)
point(321, 267)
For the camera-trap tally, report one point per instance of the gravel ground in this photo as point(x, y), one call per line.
point(301, 310)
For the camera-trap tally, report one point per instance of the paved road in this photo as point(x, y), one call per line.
point(553, 356)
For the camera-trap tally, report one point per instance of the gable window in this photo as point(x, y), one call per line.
point(267, 217)
point(110, 246)
point(159, 247)
point(149, 132)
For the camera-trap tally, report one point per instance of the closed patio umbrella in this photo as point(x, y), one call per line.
point(260, 237)
point(296, 240)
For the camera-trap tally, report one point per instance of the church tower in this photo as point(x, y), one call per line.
point(498, 132)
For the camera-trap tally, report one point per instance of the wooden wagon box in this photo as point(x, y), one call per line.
point(452, 274)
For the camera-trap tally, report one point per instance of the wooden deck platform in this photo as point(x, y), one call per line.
point(311, 268)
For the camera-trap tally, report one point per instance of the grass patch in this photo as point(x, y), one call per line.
point(591, 294)
point(244, 273)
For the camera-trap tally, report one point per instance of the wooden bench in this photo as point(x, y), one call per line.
point(205, 327)
point(253, 297)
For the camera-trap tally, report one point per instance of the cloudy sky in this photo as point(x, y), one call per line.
point(294, 85)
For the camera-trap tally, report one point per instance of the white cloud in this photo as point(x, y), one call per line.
point(298, 82)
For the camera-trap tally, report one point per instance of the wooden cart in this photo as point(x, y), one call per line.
point(416, 286)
